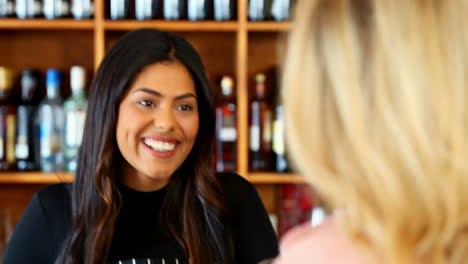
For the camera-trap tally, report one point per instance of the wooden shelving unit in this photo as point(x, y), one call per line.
point(195, 26)
point(47, 178)
point(34, 178)
point(272, 178)
point(44, 24)
point(268, 26)
point(230, 47)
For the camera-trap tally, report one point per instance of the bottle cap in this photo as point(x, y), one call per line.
point(260, 86)
point(6, 78)
point(226, 85)
point(53, 78)
point(77, 78)
point(260, 78)
point(28, 84)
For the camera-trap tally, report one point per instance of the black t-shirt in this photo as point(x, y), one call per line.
point(39, 235)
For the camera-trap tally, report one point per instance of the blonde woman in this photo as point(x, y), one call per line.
point(375, 96)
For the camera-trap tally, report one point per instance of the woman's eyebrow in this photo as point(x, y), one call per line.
point(146, 90)
point(155, 93)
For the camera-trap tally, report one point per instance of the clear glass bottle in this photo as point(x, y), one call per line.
point(82, 9)
point(119, 9)
point(28, 8)
point(7, 8)
point(54, 9)
point(279, 150)
point(75, 113)
point(223, 10)
point(26, 140)
point(198, 9)
point(259, 10)
point(7, 120)
point(146, 9)
point(173, 9)
point(51, 118)
point(260, 129)
point(226, 128)
point(280, 9)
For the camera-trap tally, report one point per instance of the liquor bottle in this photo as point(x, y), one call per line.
point(82, 9)
point(198, 9)
point(173, 9)
point(28, 8)
point(119, 9)
point(223, 10)
point(56, 9)
point(75, 113)
point(260, 130)
point(280, 9)
point(7, 120)
point(146, 9)
point(259, 10)
point(226, 128)
point(26, 137)
point(51, 120)
point(7, 8)
point(281, 162)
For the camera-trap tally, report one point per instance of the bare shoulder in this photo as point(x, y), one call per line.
point(322, 244)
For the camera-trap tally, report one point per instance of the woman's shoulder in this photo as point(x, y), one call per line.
point(54, 191)
point(236, 188)
point(233, 180)
point(325, 243)
point(54, 197)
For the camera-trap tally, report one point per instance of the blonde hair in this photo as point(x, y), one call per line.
point(376, 120)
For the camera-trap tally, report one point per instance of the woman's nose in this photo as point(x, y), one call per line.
point(164, 119)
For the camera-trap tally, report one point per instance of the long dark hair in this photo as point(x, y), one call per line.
point(202, 229)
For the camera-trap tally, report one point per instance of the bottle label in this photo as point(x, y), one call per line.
point(23, 126)
point(21, 11)
point(11, 134)
point(49, 9)
point(10, 8)
point(50, 140)
point(278, 139)
point(22, 150)
point(3, 113)
point(74, 127)
point(2, 154)
point(37, 8)
point(254, 137)
point(228, 134)
point(267, 127)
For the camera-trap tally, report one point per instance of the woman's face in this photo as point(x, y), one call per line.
point(157, 125)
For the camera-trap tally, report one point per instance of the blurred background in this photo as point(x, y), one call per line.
point(50, 49)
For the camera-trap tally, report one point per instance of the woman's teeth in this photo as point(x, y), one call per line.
point(159, 145)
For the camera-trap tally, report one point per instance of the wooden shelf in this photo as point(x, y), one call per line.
point(226, 46)
point(48, 178)
point(274, 178)
point(184, 25)
point(269, 26)
point(55, 24)
point(34, 177)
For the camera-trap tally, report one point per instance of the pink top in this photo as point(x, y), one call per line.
point(321, 244)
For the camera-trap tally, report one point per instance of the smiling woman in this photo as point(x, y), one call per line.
point(144, 190)
point(162, 104)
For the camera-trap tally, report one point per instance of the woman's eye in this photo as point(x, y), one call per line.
point(186, 107)
point(146, 103)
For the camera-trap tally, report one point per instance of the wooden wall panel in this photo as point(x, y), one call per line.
point(15, 197)
point(41, 50)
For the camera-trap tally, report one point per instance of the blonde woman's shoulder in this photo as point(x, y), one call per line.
point(324, 243)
